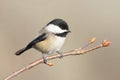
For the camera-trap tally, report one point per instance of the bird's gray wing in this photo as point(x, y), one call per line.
point(36, 40)
point(32, 43)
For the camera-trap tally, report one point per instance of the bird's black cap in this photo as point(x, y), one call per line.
point(61, 23)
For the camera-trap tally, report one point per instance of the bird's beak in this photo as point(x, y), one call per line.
point(69, 31)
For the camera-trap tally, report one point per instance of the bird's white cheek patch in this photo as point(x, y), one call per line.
point(55, 29)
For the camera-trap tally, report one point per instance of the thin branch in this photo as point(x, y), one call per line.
point(78, 51)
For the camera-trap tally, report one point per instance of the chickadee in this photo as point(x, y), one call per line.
point(50, 39)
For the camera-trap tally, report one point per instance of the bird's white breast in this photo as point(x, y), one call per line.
point(51, 44)
point(57, 44)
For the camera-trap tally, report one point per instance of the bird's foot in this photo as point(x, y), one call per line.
point(45, 61)
point(61, 54)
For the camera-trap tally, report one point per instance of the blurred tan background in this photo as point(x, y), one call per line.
point(21, 20)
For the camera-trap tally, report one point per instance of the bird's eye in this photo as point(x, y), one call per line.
point(62, 27)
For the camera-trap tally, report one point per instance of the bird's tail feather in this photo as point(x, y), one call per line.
point(20, 51)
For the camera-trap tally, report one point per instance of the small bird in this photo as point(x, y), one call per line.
point(50, 40)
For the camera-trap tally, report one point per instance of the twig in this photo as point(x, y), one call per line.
point(78, 51)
